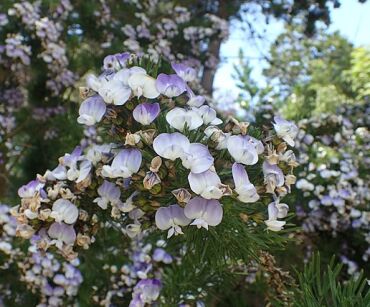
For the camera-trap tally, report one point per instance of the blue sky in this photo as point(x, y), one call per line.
point(352, 19)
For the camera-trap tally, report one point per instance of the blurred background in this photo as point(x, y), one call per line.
point(307, 61)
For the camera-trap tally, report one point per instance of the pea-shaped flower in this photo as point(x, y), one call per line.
point(276, 211)
point(143, 85)
point(209, 115)
point(244, 149)
point(64, 211)
point(91, 111)
point(197, 158)
point(170, 85)
point(171, 217)
point(304, 185)
point(145, 113)
point(145, 292)
point(274, 176)
point(247, 192)
point(285, 129)
point(125, 163)
point(109, 193)
point(160, 255)
point(114, 92)
point(115, 61)
point(178, 118)
point(30, 189)
point(204, 212)
point(206, 184)
point(185, 72)
point(171, 145)
point(62, 233)
point(194, 100)
point(118, 88)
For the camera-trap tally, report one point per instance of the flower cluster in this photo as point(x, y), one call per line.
point(8, 225)
point(56, 282)
point(139, 278)
point(48, 32)
point(173, 164)
point(52, 280)
point(28, 39)
point(173, 23)
point(39, 37)
point(333, 178)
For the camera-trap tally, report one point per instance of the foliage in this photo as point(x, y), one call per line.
point(309, 73)
point(318, 287)
point(359, 73)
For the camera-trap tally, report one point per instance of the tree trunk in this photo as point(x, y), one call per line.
point(3, 181)
point(214, 51)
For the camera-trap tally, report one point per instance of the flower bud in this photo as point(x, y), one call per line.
point(132, 139)
point(150, 180)
point(147, 136)
point(281, 147)
point(83, 240)
point(25, 231)
point(44, 214)
point(182, 195)
point(83, 215)
point(290, 179)
point(155, 164)
point(84, 92)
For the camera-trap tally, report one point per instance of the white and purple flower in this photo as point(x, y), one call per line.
point(145, 113)
point(143, 85)
point(125, 164)
point(171, 145)
point(247, 192)
point(276, 211)
point(116, 61)
point(244, 149)
point(185, 72)
point(197, 158)
point(170, 85)
point(194, 100)
point(180, 118)
point(171, 217)
point(208, 115)
point(145, 292)
point(62, 233)
point(286, 130)
point(92, 110)
point(206, 184)
point(109, 193)
point(64, 211)
point(30, 189)
point(204, 212)
point(274, 176)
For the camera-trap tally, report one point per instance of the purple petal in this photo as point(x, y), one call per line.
point(30, 189)
point(170, 145)
point(240, 175)
point(167, 217)
point(109, 190)
point(170, 85)
point(197, 158)
point(91, 110)
point(145, 113)
point(242, 150)
point(273, 169)
point(163, 218)
point(62, 232)
point(272, 211)
point(129, 158)
point(208, 210)
point(185, 72)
